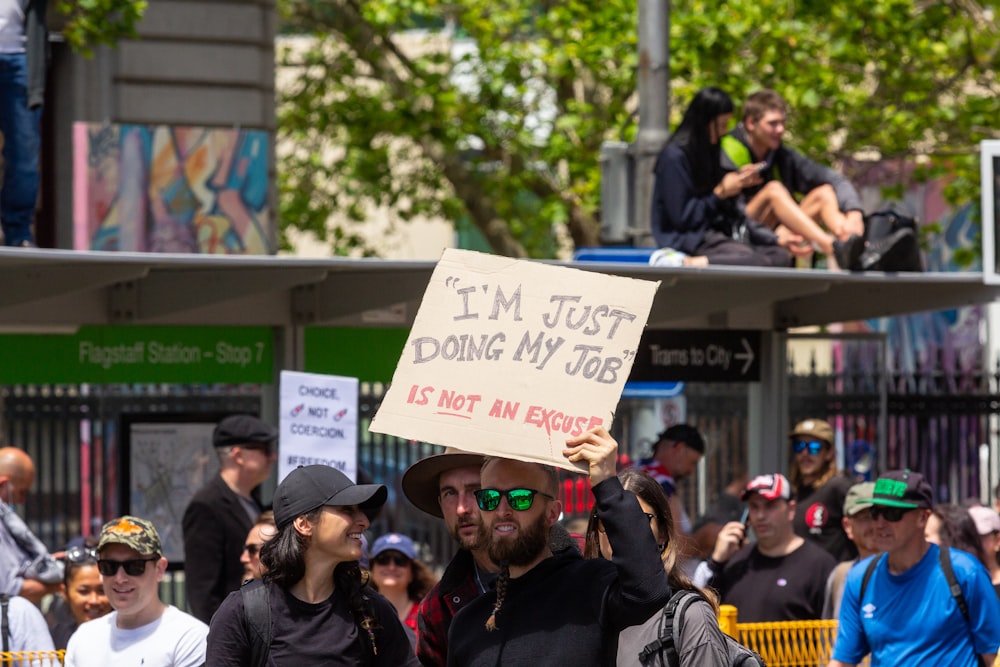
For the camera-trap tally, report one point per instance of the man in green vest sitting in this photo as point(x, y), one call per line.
point(795, 195)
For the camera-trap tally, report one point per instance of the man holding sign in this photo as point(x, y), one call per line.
point(550, 608)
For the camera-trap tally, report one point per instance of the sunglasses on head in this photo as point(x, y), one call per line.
point(890, 514)
point(252, 549)
point(518, 499)
point(814, 446)
point(384, 559)
point(81, 555)
point(135, 567)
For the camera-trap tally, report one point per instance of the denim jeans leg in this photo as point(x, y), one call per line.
point(21, 129)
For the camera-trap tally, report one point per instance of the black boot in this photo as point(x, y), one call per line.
point(848, 252)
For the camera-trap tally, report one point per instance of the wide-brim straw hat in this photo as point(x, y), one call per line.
point(420, 481)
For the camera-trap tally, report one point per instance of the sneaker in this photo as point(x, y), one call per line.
point(26, 243)
point(667, 257)
point(848, 252)
point(899, 251)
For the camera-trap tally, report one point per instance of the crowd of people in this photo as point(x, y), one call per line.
point(909, 581)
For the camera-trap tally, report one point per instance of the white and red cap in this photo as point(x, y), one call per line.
point(770, 487)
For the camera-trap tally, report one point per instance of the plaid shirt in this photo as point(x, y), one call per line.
point(456, 589)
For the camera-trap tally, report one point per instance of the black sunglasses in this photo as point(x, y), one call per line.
point(252, 549)
point(518, 499)
point(890, 514)
point(385, 559)
point(815, 446)
point(135, 567)
point(81, 555)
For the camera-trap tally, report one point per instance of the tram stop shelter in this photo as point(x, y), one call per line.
point(280, 298)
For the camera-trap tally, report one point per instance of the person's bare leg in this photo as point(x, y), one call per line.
point(773, 204)
point(821, 205)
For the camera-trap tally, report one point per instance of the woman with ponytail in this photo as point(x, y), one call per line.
point(701, 641)
point(314, 605)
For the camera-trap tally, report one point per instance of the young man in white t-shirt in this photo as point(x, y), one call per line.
point(141, 630)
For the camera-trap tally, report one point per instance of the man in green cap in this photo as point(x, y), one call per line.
point(141, 629)
point(916, 604)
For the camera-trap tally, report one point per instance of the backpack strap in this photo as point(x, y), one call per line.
point(869, 571)
point(944, 556)
point(4, 624)
point(257, 621)
point(671, 621)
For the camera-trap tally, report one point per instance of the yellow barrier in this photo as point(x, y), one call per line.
point(785, 643)
point(32, 658)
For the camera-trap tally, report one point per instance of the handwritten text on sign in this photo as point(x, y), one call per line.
point(536, 345)
point(510, 357)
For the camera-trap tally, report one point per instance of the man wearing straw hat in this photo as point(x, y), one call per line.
point(443, 485)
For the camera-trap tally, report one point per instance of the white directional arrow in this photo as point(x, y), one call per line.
point(747, 355)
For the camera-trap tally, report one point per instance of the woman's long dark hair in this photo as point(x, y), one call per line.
point(958, 530)
point(650, 491)
point(692, 137)
point(284, 558)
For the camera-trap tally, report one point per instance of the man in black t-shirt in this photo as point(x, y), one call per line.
point(781, 577)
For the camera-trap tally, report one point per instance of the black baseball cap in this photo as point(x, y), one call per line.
point(683, 433)
point(310, 487)
point(237, 430)
point(903, 488)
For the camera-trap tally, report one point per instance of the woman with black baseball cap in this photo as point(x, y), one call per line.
point(314, 605)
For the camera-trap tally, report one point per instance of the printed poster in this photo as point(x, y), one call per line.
point(318, 422)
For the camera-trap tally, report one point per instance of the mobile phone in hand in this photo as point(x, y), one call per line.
point(745, 516)
point(762, 169)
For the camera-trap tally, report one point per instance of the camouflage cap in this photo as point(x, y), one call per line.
point(135, 533)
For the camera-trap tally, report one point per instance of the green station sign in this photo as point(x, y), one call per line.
point(369, 354)
point(107, 355)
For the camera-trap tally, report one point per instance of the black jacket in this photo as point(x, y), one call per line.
point(567, 610)
point(215, 529)
point(797, 172)
point(680, 216)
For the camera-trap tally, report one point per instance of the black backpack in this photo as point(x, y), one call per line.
point(662, 652)
point(893, 242)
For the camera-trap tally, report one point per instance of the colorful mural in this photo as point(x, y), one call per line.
point(157, 188)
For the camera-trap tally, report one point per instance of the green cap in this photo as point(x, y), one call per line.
point(135, 533)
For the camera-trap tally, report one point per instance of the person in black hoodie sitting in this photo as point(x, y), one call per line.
point(694, 207)
point(546, 608)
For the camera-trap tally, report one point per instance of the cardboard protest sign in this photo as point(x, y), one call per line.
point(510, 357)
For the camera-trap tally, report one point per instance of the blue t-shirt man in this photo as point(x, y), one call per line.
point(913, 619)
point(907, 614)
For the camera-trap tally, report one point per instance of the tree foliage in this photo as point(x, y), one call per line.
point(499, 122)
point(88, 23)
